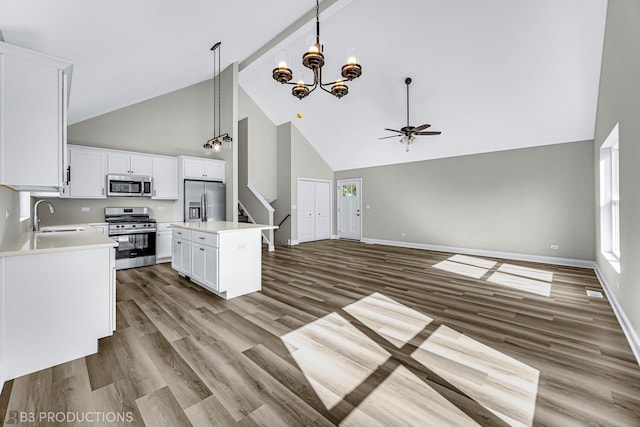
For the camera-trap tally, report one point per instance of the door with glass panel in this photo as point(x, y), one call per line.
point(349, 209)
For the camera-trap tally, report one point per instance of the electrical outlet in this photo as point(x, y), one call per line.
point(554, 247)
point(403, 234)
point(368, 207)
point(6, 214)
point(85, 209)
point(160, 208)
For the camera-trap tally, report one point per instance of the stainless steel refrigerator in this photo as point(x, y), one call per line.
point(204, 201)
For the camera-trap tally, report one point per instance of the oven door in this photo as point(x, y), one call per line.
point(135, 250)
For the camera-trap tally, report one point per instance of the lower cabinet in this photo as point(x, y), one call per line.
point(164, 249)
point(55, 307)
point(181, 256)
point(204, 265)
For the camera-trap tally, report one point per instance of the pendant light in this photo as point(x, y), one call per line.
point(215, 144)
point(314, 60)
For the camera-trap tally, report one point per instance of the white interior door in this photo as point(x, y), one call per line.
point(349, 209)
point(322, 210)
point(306, 203)
point(314, 210)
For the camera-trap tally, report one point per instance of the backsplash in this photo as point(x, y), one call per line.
point(69, 211)
point(12, 227)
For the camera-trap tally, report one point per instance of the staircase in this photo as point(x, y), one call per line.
point(242, 215)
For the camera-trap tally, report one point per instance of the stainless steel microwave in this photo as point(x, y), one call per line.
point(128, 186)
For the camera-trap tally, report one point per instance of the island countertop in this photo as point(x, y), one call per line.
point(30, 242)
point(218, 227)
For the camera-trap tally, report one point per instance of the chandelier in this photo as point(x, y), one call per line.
point(215, 143)
point(314, 60)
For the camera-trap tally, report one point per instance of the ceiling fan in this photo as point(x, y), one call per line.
point(408, 133)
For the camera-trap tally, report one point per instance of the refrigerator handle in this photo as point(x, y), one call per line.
point(203, 204)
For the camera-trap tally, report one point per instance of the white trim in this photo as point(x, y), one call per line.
point(292, 242)
point(623, 320)
point(260, 198)
point(334, 237)
point(627, 327)
point(481, 252)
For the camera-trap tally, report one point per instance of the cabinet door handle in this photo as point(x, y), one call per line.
point(202, 249)
point(68, 174)
point(201, 238)
point(179, 243)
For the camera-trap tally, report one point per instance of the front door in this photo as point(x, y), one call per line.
point(349, 209)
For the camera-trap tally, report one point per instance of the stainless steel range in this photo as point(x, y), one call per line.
point(135, 233)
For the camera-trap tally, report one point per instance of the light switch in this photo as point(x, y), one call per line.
point(85, 209)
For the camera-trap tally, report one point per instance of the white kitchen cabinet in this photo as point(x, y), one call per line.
point(163, 242)
point(86, 173)
point(181, 251)
point(120, 163)
point(33, 119)
point(55, 307)
point(102, 228)
point(165, 178)
point(204, 169)
point(204, 259)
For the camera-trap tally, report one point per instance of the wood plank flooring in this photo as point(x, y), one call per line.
point(350, 334)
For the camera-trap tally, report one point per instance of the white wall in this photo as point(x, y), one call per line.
point(518, 201)
point(619, 102)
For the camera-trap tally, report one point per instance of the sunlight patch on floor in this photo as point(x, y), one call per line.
point(462, 269)
point(335, 356)
point(393, 321)
point(404, 399)
point(357, 379)
point(521, 283)
point(531, 273)
point(503, 385)
point(512, 276)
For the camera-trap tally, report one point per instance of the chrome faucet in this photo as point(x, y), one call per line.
point(36, 220)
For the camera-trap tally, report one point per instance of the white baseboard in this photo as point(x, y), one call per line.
point(481, 252)
point(623, 320)
point(292, 242)
point(627, 328)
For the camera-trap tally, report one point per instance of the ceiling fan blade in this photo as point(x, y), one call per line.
point(393, 130)
point(420, 128)
point(428, 133)
point(392, 136)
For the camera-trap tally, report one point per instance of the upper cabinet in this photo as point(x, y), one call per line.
point(165, 178)
point(33, 119)
point(202, 169)
point(129, 164)
point(86, 173)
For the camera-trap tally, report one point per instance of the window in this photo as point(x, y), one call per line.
point(610, 199)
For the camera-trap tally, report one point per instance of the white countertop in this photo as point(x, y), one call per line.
point(31, 242)
point(223, 226)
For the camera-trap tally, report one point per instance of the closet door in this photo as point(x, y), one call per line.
point(306, 210)
point(322, 212)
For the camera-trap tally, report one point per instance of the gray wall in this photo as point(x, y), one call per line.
point(518, 201)
point(176, 123)
point(619, 102)
point(305, 163)
point(296, 159)
point(262, 156)
point(282, 204)
point(12, 227)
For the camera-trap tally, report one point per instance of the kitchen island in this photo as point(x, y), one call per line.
point(58, 297)
point(222, 257)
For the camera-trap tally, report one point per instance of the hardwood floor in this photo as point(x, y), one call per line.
point(351, 334)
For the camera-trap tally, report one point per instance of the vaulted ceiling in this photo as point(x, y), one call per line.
point(491, 75)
